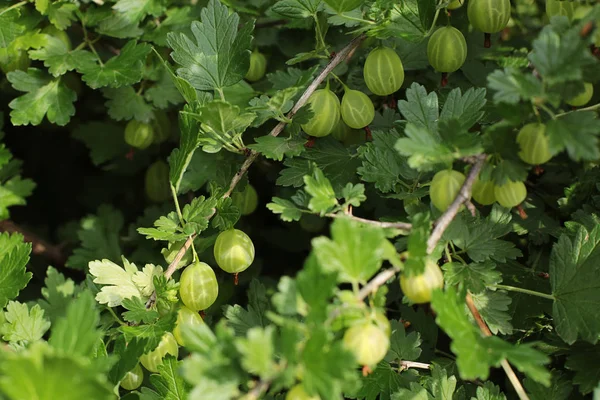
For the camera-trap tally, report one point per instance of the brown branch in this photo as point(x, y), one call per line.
point(396, 225)
point(339, 57)
point(464, 195)
point(374, 284)
point(38, 245)
point(514, 380)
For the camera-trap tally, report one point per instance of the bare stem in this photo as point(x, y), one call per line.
point(514, 380)
point(590, 108)
point(463, 196)
point(38, 245)
point(374, 284)
point(396, 225)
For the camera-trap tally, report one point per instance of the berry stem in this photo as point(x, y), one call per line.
point(444, 80)
point(524, 291)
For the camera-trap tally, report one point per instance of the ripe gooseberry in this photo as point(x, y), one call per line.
point(170, 252)
point(234, 251)
point(445, 185)
point(556, 8)
point(157, 184)
point(198, 287)
point(185, 316)
point(511, 194)
point(368, 342)
point(326, 108)
point(447, 49)
point(357, 109)
point(382, 322)
point(133, 379)
point(139, 134)
point(488, 16)
point(153, 359)
point(584, 97)
point(246, 200)
point(483, 192)
point(418, 288)
point(298, 393)
point(383, 71)
point(534, 144)
point(258, 66)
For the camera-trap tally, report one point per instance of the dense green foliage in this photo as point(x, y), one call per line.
point(259, 199)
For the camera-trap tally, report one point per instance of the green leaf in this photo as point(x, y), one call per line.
point(13, 193)
point(23, 326)
point(321, 192)
point(135, 10)
point(45, 374)
point(354, 194)
point(512, 86)
point(296, 9)
point(382, 164)
point(129, 354)
point(166, 228)
point(337, 162)
point(60, 13)
point(580, 359)
point(99, 235)
point(475, 353)
point(137, 311)
point(288, 210)
point(125, 104)
point(121, 70)
point(474, 277)
point(45, 97)
point(291, 77)
point(403, 346)
point(227, 214)
point(57, 294)
point(316, 285)
point(76, 332)
point(465, 108)
point(258, 352)
point(355, 251)
point(189, 142)
point(489, 391)
point(151, 332)
point(577, 132)
point(479, 237)
point(575, 279)
point(493, 307)
point(220, 55)
point(559, 53)
point(273, 107)
point(10, 29)
point(222, 125)
point(383, 381)
point(419, 108)
point(242, 320)
point(164, 92)
point(198, 212)
point(275, 148)
point(14, 256)
point(58, 58)
point(169, 383)
point(560, 388)
point(105, 141)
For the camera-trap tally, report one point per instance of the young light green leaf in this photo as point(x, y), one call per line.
point(258, 351)
point(118, 281)
point(288, 210)
point(58, 58)
point(57, 294)
point(322, 194)
point(23, 326)
point(220, 55)
point(355, 251)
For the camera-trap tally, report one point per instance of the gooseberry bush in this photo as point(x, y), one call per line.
point(299, 199)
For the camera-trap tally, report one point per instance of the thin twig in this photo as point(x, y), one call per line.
point(463, 196)
point(339, 57)
point(396, 225)
point(514, 380)
point(257, 391)
point(38, 245)
point(374, 284)
point(404, 365)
